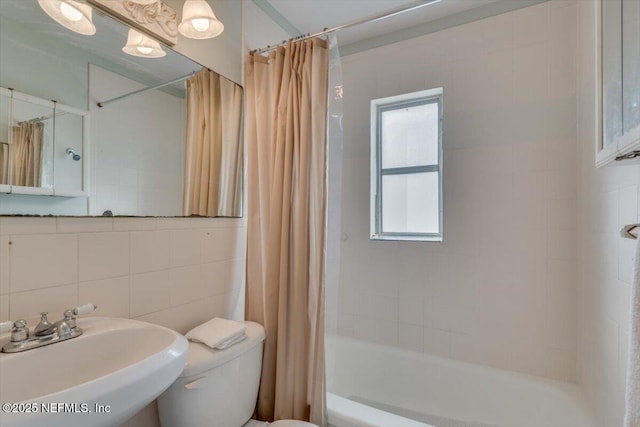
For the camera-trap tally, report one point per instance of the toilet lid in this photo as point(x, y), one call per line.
point(292, 423)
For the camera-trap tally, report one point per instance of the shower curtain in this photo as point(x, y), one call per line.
point(213, 156)
point(26, 157)
point(286, 139)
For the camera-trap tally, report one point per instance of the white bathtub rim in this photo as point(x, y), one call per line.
point(347, 413)
point(572, 391)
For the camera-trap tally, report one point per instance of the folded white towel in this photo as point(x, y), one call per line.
point(218, 333)
point(231, 341)
point(632, 413)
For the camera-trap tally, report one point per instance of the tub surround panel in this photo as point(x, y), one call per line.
point(501, 289)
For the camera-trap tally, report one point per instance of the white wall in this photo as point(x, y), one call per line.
point(501, 289)
point(222, 54)
point(608, 200)
point(137, 148)
point(260, 30)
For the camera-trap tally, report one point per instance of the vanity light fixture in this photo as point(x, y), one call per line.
point(199, 21)
point(140, 45)
point(71, 14)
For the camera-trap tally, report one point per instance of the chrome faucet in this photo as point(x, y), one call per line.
point(44, 327)
point(61, 327)
point(45, 332)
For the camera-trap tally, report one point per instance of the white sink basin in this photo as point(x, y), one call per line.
point(116, 365)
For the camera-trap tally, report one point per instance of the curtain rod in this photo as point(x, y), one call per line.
point(371, 18)
point(146, 89)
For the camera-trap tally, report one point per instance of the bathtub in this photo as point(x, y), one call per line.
point(371, 385)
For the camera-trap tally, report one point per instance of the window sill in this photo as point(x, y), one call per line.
point(398, 238)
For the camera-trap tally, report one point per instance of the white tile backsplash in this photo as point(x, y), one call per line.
point(103, 255)
point(150, 292)
point(150, 250)
point(4, 308)
point(21, 225)
point(83, 225)
point(42, 260)
point(4, 265)
point(52, 264)
point(218, 243)
point(110, 295)
point(54, 300)
point(189, 284)
point(186, 247)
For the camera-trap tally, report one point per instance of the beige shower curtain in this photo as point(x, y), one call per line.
point(26, 141)
point(213, 149)
point(286, 141)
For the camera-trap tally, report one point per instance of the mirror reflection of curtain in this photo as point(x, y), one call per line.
point(213, 157)
point(26, 140)
point(4, 163)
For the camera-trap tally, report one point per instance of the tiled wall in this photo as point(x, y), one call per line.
point(502, 288)
point(136, 148)
point(608, 200)
point(175, 272)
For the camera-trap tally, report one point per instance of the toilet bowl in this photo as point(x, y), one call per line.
point(219, 388)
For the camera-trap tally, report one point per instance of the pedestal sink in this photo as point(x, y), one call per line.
point(101, 378)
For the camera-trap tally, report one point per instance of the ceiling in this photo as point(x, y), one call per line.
point(310, 16)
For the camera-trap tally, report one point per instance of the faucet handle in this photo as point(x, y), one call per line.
point(84, 309)
point(69, 319)
point(44, 327)
point(20, 332)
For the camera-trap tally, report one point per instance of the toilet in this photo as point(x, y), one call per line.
point(219, 388)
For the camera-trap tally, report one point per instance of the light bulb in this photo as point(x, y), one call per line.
point(70, 12)
point(200, 24)
point(140, 45)
point(199, 21)
point(144, 50)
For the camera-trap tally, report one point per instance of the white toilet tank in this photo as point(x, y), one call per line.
point(218, 388)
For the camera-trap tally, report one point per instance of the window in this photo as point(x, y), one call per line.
point(406, 166)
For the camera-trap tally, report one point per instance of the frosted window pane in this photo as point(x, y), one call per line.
point(410, 136)
point(410, 203)
point(612, 69)
point(631, 65)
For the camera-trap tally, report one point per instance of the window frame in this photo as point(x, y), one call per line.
point(378, 106)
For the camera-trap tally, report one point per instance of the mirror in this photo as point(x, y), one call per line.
point(132, 155)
